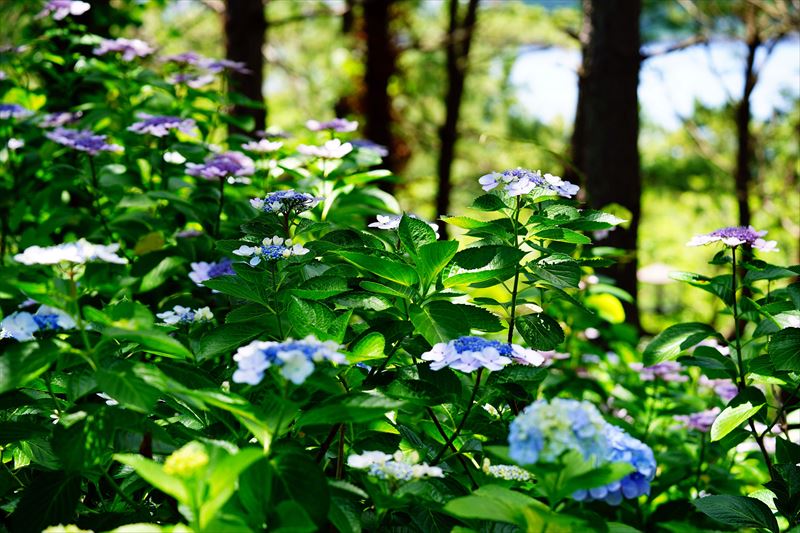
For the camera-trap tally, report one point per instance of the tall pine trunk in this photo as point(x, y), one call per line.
point(459, 39)
point(744, 152)
point(608, 123)
point(245, 35)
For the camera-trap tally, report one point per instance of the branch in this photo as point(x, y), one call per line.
point(676, 47)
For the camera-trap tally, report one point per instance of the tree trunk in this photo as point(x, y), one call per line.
point(245, 35)
point(609, 127)
point(744, 153)
point(459, 39)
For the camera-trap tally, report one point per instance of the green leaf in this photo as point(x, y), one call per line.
point(298, 478)
point(560, 271)
point(540, 331)
point(563, 235)
point(160, 273)
point(731, 418)
point(465, 222)
point(488, 202)
point(738, 511)
point(51, 498)
point(225, 339)
point(321, 287)
point(222, 482)
point(154, 474)
point(671, 342)
point(414, 234)
point(784, 349)
point(439, 321)
point(383, 268)
point(433, 257)
point(356, 408)
point(152, 341)
point(23, 362)
point(128, 389)
point(480, 318)
point(597, 477)
point(235, 286)
point(371, 346)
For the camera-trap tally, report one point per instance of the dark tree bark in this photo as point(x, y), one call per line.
point(245, 35)
point(744, 152)
point(459, 39)
point(609, 125)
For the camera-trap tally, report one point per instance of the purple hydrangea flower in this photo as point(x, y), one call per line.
point(666, 371)
point(183, 59)
point(285, 201)
point(219, 65)
point(59, 119)
point(15, 111)
point(365, 144)
point(223, 165)
point(190, 79)
point(724, 388)
point(520, 181)
point(129, 48)
point(340, 125)
point(735, 236)
point(468, 354)
point(83, 140)
point(262, 146)
point(160, 126)
point(61, 9)
point(701, 421)
point(203, 271)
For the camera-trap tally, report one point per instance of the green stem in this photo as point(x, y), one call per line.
point(515, 288)
point(461, 460)
point(96, 198)
point(221, 205)
point(463, 421)
point(273, 267)
point(735, 307)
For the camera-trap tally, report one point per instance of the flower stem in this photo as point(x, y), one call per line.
point(221, 205)
point(95, 193)
point(463, 421)
point(515, 288)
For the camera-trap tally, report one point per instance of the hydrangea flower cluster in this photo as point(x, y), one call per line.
point(366, 144)
point(83, 140)
point(129, 48)
point(223, 165)
point(395, 467)
point(15, 111)
point(78, 252)
point(271, 249)
point(545, 430)
point(507, 472)
point(59, 119)
point(735, 236)
point(624, 449)
point(701, 421)
point(191, 79)
point(160, 126)
point(519, 181)
point(296, 359)
point(262, 146)
point(339, 125)
point(666, 371)
point(285, 202)
point(61, 9)
point(724, 388)
point(333, 149)
point(468, 354)
point(187, 461)
point(180, 315)
point(392, 222)
point(221, 65)
point(203, 271)
point(22, 325)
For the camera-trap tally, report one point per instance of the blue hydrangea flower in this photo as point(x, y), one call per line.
point(59, 119)
point(222, 165)
point(83, 140)
point(394, 467)
point(22, 325)
point(467, 354)
point(160, 126)
point(16, 111)
point(180, 315)
point(546, 430)
point(203, 271)
point(296, 359)
point(622, 448)
point(271, 249)
point(285, 201)
point(520, 181)
point(735, 236)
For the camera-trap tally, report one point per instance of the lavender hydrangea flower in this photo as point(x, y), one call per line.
point(396, 467)
point(180, 315)
point(191, 79)
point(183, 59)
point(220, 65)
point(700, 421)
point(262, 146)
point(333, 149)
point(468, 354)
point(546, 430)
point(735, 236)
point(79, 252)
point(520, 181)
point(203, 271)
point(392, 222)
point(365, 144)
point(15, 111)
point(285, 202)
point(296, 359)
point(160, 126)
point(271, 249)
point(622, 448)
point(59, 119)
point(666, 371)
point(82, 140)
point(223, 165)
point(61, 9)
point(340, 125)
point(724, 388)
point(129, 48)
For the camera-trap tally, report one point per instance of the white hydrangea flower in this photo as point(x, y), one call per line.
point(394, 467)
point(263, 146)
point(333, 149)
point(19, 326)
point(392, 222)
point(79, 252)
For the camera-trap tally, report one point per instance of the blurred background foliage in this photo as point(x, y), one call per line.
point(324, 58)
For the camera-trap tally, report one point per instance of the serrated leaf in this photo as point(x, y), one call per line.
point(225, 339)
point(383, 268)
point(439, 321)
point(738, 511)
point(415, 233)
point(151, 341)
point(540, 331)
point(563, 235)
point(784, 349)
point(731, 418)
point(488, 202)
point(432, 258)
point(465, 222)
point(674, 340)
point(128, 389)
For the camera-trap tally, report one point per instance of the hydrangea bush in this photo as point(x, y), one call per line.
point(213, 332)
